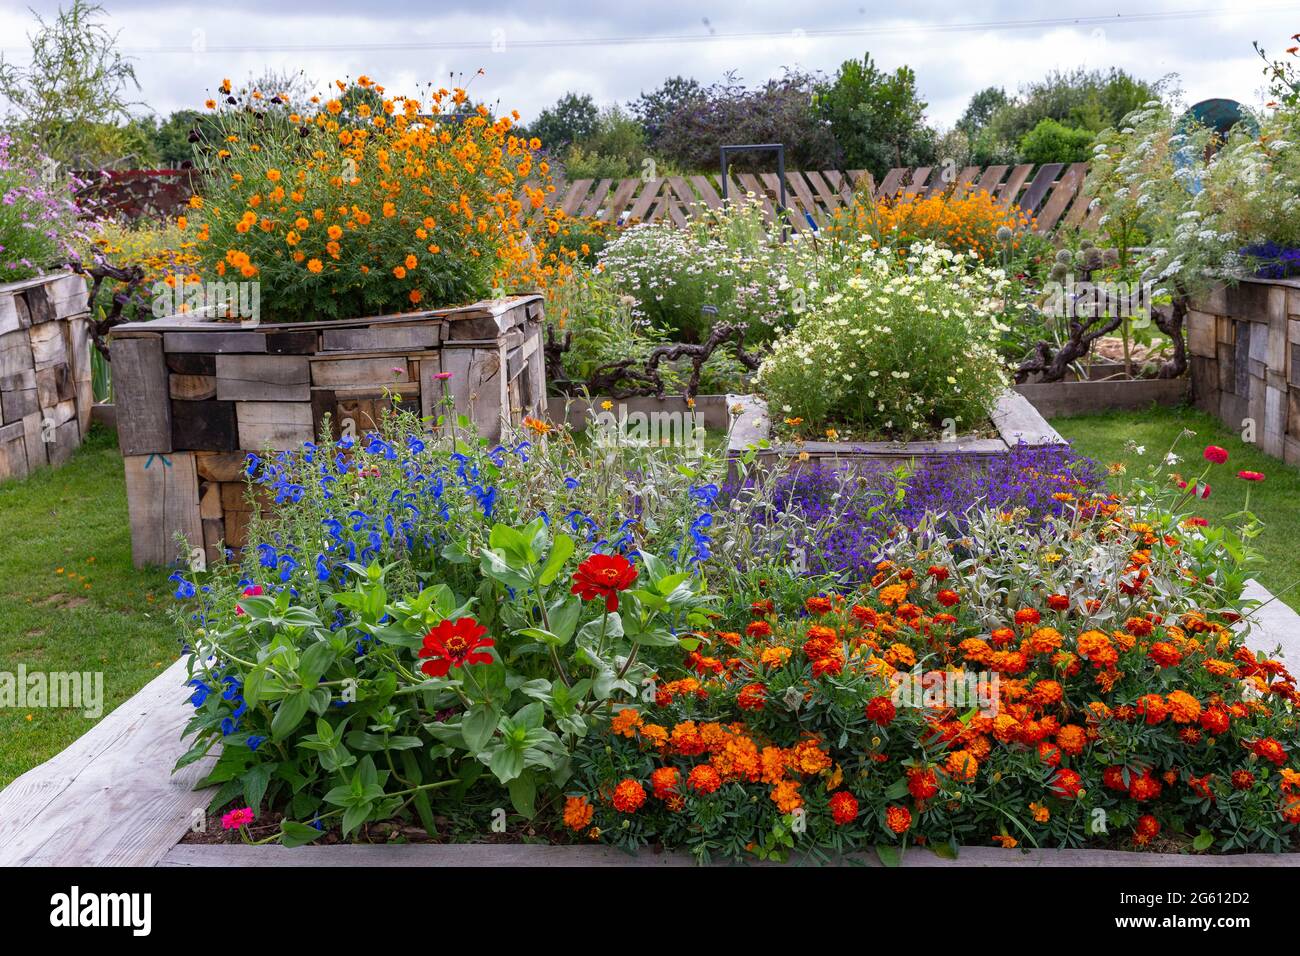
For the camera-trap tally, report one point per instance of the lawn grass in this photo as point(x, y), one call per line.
point(1275, 501)
point(70, 599)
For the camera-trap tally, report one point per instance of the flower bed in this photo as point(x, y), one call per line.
point(428, 628)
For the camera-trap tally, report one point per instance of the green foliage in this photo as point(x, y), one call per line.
point(1053, 142)
point(878, 118)
point(655, 108)
point(573, 118)
point(70, 100)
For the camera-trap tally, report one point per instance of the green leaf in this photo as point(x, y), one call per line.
point(289, 714)
point(294, 834)
point(561, 551)
point(507, 763)
point(356, 815)
point(890, 856)
point(564, 617)
point(255, 783)
point(1204, 840)
point(478, 726)
point(523, 794)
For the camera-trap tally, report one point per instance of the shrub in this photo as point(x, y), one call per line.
point(972, 222)
point(726, 261)
point(365, 203)
point(896, 348)
point(1053, 142)
point(38, 219)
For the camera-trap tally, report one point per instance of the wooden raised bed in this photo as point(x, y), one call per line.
point(110, 799)
point(1244, 342)
point(1014, 419)
point(194, 396)
point(1053, 399)
point(45, 390)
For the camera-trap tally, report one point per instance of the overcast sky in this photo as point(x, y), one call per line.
point(528, 51)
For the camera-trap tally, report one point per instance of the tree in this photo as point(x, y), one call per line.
point(655, 108)
point(728, 113)
point(615, 149)
point(980, 110)
point(573, 118)
point(71, 100)
point(877, 118)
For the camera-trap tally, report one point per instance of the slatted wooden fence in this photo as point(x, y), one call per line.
point(1052, 193)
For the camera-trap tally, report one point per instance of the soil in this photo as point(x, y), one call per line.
point(378, 833)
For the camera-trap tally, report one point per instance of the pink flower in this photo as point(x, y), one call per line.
point(237, 818)
point(254, 590)
point(1250, 476)
point(1215, 454)
point(442, 376)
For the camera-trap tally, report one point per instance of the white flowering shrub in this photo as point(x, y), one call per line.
point(725, 260)
point(901, 346)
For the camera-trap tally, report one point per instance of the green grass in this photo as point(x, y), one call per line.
point(70, 599)
point(1275, 501)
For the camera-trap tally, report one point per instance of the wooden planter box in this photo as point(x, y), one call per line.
point(45, 393)
point(1244, 342)
point(195, 396)
point(1014, 419)
point(1054, 399)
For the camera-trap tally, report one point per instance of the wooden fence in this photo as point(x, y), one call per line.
point(1052, 194)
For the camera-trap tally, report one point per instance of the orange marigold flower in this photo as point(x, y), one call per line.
point(1066, 783)
point(881, 710)
point(922, 783)
point(625, 722)
point(1183, 707)
point(898, 819)
point(818, 605)
point(961, 765)
point(844, 807)
point(752, 697)
point(1164, 654)
point(663, 781)
point(629, 796)
point(703, 779)
point(948, 597)
point(1147, 827)
point(578, 813)
point(1027, 617)
point(1153, 708)
point(1269, 749)
point(786, 796)
point(1072, 739)
point(893, 594)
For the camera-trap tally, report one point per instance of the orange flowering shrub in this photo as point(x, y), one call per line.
point(969, 222)
point(366, 202)
point(959, 696)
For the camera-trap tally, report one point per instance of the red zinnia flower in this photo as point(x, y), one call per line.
point(1250, 476)
point(454, 644)
point(1216, 454)
point(253, 590)
point(604, 575)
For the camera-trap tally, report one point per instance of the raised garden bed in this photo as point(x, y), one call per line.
point(1244, 342)
point(194, 396)
point(1102, 395)
point(111, 800)
point(1014, 420)
point(45, 376)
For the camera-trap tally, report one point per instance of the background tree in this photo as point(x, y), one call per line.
point(779, 111)
point(574, 117)
point(654, 109)
point(615, 149)
point(877, 118)
point(71, 100)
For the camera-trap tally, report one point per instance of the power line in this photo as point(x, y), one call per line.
point(500, 42)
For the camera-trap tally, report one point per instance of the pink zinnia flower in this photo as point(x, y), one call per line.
point(442, 376)
point(237, 818)
point(1215, 454)
point(254, 590)
point(1250, 476)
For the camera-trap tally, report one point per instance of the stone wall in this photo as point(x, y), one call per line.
point(1244, 342)
point(45, 390)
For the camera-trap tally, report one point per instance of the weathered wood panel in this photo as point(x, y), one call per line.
point(277, 426)
point(263, 378)
point(162, 494)
point(144, 421)
point(204, 426)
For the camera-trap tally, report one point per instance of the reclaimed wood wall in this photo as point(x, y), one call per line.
point(195, 397)
point(1244, 342)
point(45, 374)
point(1052, 193)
